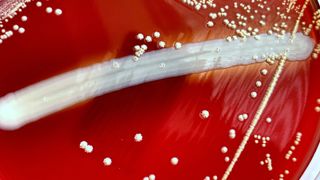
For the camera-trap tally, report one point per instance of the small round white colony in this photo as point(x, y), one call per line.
point(107, 161)
point(152, 177)
point(258, 83)
point(268, 120)
point(210, 24)
point(144, 47)
point(156, 34)
point(21, 30)
point(88, 149)
point(204, 114)
point(58, 12)
point(161, 44)
point(83, 144)
point(140, 36)
point(148, 39)
point(174, 161)
point(49, 10)
point(224, 149)
point(264, 72)
point(138, 137)
point(177, 45)
point(24, 18)
point(15, 27)
point(253, 94)
point(39, 4)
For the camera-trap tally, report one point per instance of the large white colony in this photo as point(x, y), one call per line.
point(147, 69)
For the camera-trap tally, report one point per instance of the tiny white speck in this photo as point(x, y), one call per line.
point(215, 177)
point(107, 161)
point(138, 137)
point(146, 178)
point(174, 161)
point(245, 116)
point(227, 159)
point(207, 178)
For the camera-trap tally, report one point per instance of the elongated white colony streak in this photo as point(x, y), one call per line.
point(62, 91)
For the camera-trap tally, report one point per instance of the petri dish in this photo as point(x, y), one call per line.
point(159, 89)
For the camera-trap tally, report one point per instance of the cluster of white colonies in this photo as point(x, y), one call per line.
point(7, 32)
point(86, 147)
point(139, 50)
